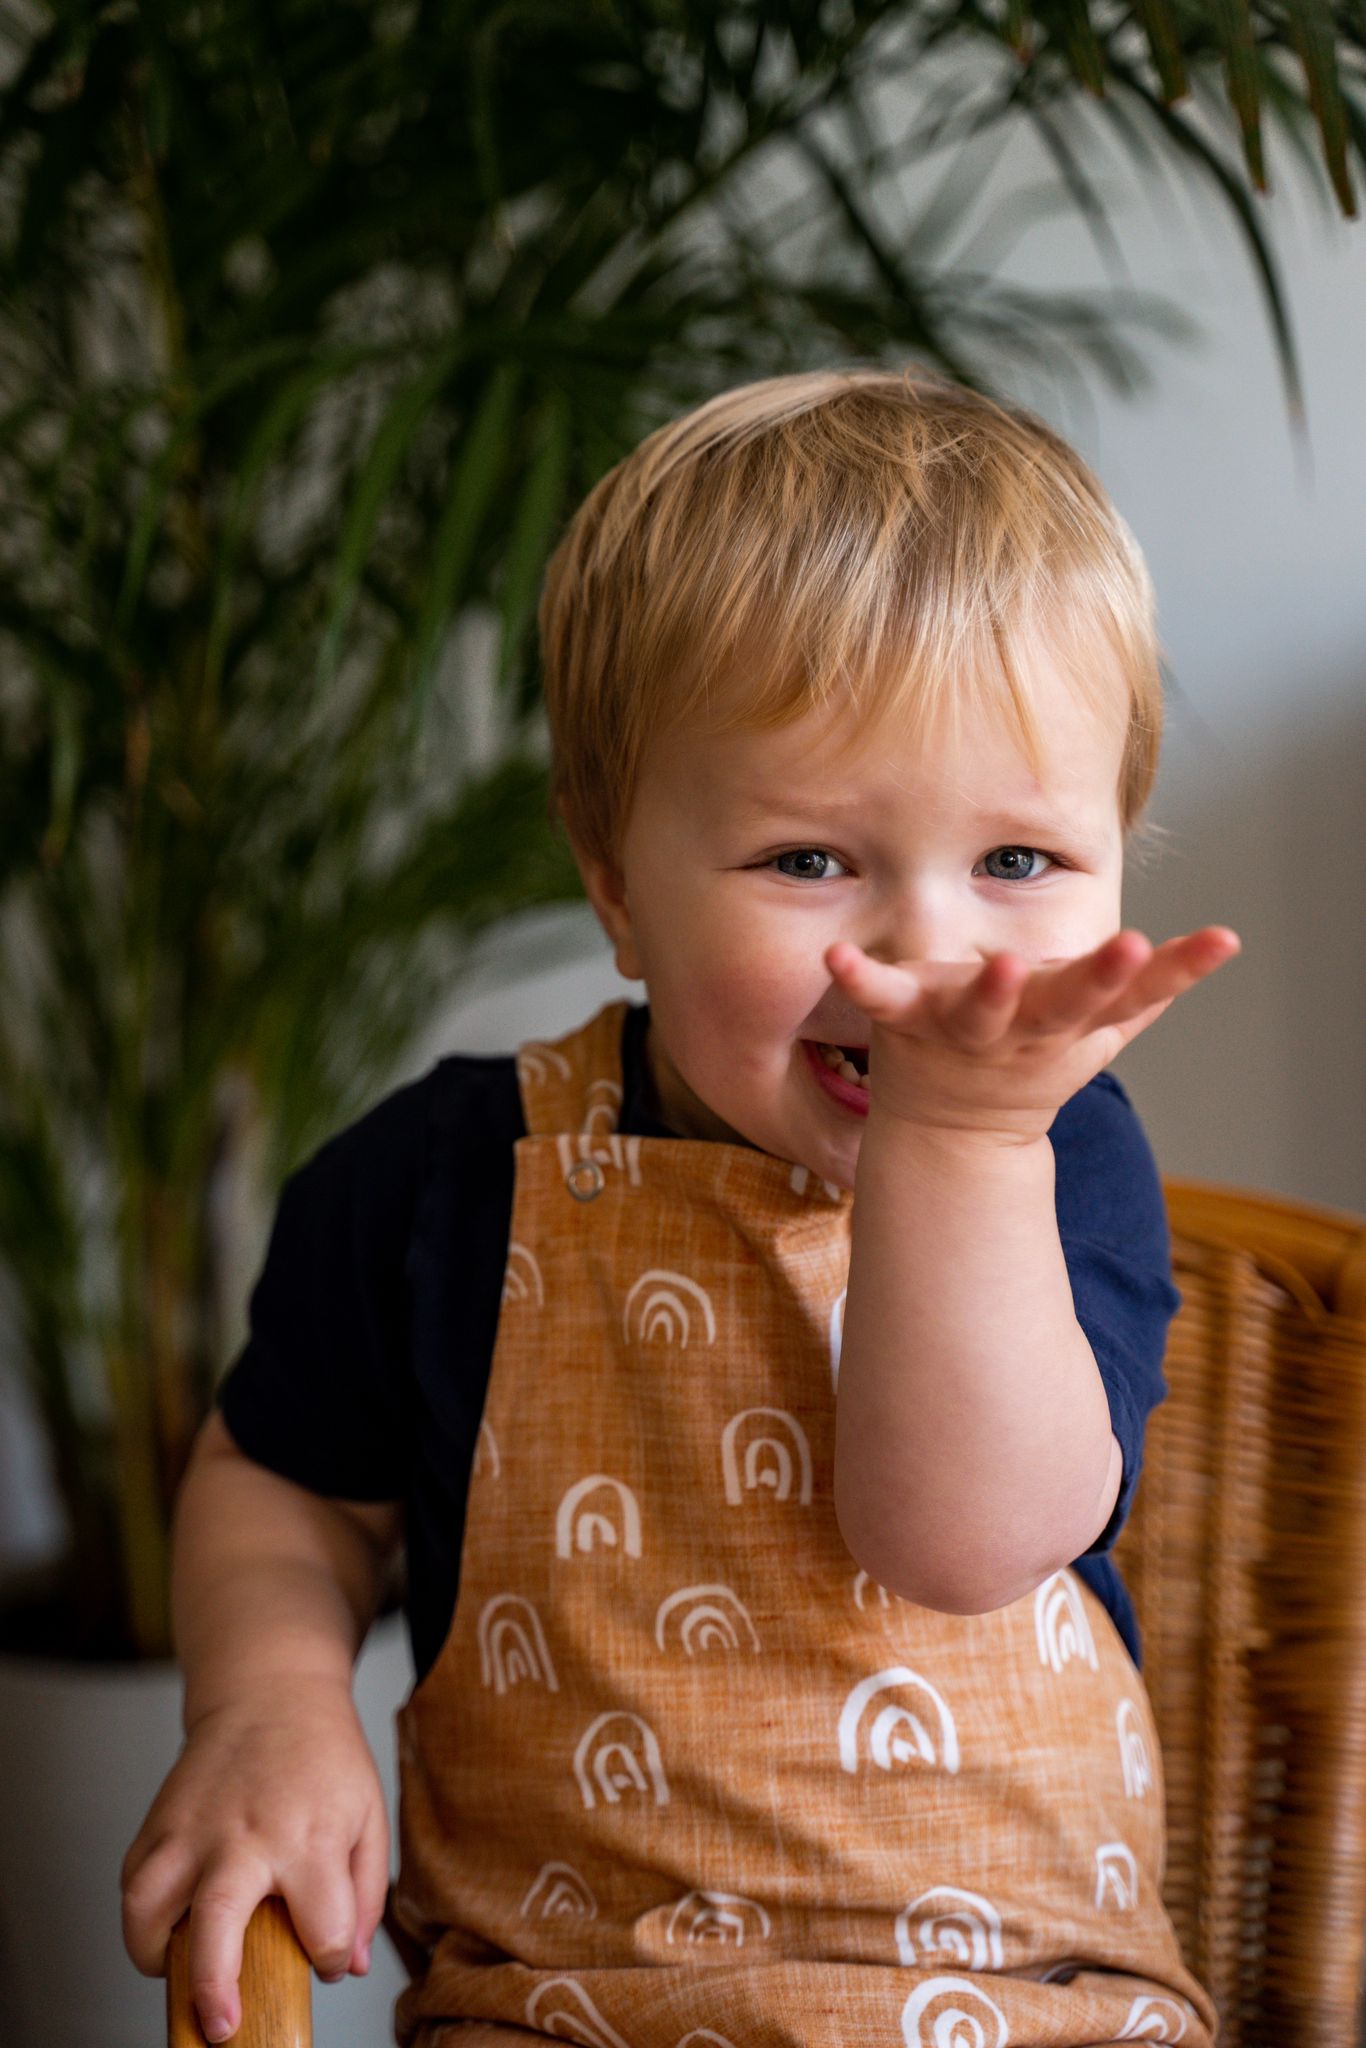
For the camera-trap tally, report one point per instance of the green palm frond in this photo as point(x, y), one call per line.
point(317, 317)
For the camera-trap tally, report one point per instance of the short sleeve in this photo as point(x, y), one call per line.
point(1112, 1221)
point(319, 1392)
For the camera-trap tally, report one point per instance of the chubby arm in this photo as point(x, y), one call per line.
point(974, 1453)
point(973, 1448)
point(275, 1790)
point(269, 1580)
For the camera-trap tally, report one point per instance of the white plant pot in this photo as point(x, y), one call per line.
point(83, 1749)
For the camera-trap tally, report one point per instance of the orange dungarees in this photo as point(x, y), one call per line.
point(682, 1776)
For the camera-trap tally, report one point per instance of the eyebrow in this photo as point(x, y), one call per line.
point(764, 801)
point(1054, 824)
point(1025, 818)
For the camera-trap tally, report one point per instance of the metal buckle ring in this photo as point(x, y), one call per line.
point(585, 1179)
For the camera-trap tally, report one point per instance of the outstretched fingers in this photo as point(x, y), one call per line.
point(984, 1011)
point(1123, 979)
point(1170, 971)
point(973, 1001)
point(1070, 996)
point(884, 993)
point(980, 1003)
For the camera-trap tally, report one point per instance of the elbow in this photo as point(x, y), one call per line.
point(1007, 1560)
point(951, 1593)
point(961, 1585)
point(892, 1566)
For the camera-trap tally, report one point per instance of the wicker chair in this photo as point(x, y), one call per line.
point(1246, 1557)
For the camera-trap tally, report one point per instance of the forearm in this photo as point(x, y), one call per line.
point(973, 1437)
point(270, 1584)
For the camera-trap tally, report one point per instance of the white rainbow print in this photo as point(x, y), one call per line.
point(1116, 1876)
point(707, 1618)
point(604, 1103)
point(665, 1304)
point(611, 1150)
point(522, 1279)
point(1133, 1751)
point(535, 1060)
point(1153, 2019)
point(948, 2012)
point(718, 1917)
point(898, 1732)
point(512, 1644)
point(627, 1759)
point(563, 2010)
point(862, 1584)
point(1061, 1629)
point(486, 1458)
point(837, 1335)
point(768, 1456)
point(701, 2035)
point(558, 1893)
point(577, 1530)
point(948, 1922)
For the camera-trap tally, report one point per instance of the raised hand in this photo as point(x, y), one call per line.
point(996, 1048)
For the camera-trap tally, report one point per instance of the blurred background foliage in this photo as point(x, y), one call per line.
point(317, 317)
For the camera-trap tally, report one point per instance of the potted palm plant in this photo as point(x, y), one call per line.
point(315, 320)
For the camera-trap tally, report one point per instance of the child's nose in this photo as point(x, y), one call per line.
point(922, 924)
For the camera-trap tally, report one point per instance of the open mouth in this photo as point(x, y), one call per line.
point(850, 1062)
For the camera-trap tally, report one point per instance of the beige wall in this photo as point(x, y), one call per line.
point(1258, 550)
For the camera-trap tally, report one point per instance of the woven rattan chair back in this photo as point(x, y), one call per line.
point(1245, 1553)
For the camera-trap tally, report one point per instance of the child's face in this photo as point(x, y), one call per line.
point(747, 854)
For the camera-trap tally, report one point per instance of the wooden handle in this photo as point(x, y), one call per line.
point(276, 1985)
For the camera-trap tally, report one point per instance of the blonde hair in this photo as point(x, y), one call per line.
point(893, 540)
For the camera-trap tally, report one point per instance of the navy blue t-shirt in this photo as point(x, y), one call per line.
point(373, 1320)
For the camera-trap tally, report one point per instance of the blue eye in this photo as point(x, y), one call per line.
point(810, 854)
point(1017, 863)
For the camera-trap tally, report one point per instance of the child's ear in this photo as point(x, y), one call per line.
point(607, 893)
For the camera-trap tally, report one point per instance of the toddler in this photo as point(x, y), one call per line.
point(774, 1681)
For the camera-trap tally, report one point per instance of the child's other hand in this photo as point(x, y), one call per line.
point(997, 1048)
point(268, 1796)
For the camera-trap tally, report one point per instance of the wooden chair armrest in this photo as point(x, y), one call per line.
point(276, 1985)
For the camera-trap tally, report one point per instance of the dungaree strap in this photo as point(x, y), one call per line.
point(574, 1083)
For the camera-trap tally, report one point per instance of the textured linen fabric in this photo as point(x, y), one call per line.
point(681, 1773)
point(373, 1321)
